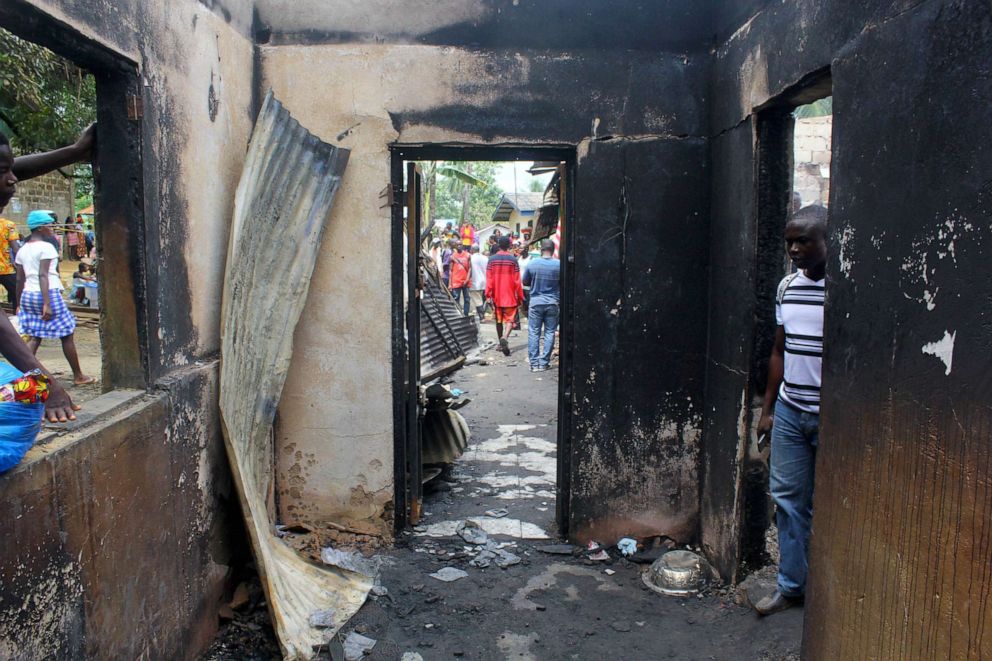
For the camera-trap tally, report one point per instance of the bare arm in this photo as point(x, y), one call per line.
point(46, 302)
point(776, 372)
point(59, 406)
point(35, 165)
point(20, 286)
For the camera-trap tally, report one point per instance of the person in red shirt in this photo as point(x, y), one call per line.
point(504, 289)
point(460, 275)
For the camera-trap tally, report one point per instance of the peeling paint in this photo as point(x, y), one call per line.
point(942, 349)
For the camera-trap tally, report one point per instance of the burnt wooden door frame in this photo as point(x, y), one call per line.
point(406, 439)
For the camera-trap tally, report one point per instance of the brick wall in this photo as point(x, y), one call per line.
point(52, 191)
point(812, 159)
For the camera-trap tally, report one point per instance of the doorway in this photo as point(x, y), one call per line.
point(515, 417)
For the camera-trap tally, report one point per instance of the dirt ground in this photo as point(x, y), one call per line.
point(547, 606)
point(87, 338)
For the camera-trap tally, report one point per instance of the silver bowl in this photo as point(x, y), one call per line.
point(677, 573)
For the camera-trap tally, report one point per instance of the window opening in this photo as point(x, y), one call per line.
point(57, 84)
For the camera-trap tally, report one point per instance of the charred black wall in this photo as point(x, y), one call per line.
point(900, 549)
point(640, 234)
point(659, 26)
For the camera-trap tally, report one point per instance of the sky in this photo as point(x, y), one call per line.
point(504, 177)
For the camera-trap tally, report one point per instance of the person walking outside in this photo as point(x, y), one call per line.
point(543, 276)
point(461, 276)
point(42, 312)
point(793, 392)
point(504, 289)
point(449, 250)
point(10, 243)
point(478, 289)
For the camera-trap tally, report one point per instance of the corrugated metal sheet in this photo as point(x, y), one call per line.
point(284, 198)
point(446, 335)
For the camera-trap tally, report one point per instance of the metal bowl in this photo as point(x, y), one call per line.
point(677, 573)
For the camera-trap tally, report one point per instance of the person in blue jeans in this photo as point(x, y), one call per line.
point(793, 393)
point(543, 276)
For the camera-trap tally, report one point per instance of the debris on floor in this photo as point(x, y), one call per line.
point(471, 532)
point(449, 574)
point(356, 646)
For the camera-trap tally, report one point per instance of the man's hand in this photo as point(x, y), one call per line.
point(765, 423)
point(59, 406)
point(86, 142)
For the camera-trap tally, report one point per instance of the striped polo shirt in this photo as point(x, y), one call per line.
point(801, 315)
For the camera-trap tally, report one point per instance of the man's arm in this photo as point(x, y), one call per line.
point(35, 165)
point(776, 372)
point(526, 276)
point(19, 287)
point(59, 406)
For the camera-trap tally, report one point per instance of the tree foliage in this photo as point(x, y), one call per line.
point(454, 187)
point(819, 108)
point(45, 100)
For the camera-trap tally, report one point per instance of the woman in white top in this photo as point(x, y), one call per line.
point(42, 311)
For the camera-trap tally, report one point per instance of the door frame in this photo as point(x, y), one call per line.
point(405, 371)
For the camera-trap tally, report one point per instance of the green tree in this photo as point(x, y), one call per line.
point(45, 101)
point(819, 108)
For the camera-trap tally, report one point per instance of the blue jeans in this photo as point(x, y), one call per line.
point(795, 435)
point(539, 316)
point(464, 294)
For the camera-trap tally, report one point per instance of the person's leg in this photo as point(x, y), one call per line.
point(466, 305)
point(791, 483)
point(550, 315)
point(69, 349)
point(34, 343)
point(534, 334)
point(512, 320)
point(9, 283)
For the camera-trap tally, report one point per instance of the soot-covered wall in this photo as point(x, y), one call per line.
point(120, 534)
point(636, 119)
point(901, 532)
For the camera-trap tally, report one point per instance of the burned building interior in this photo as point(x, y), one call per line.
point(673, 123)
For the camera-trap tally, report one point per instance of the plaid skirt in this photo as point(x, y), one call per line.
point(62, 323)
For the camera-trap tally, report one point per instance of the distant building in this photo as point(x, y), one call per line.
point(52, 191)
point(518, 211)
point(482, 236)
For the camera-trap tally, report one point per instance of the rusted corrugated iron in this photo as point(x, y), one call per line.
point(284, 198)
point(446, 335)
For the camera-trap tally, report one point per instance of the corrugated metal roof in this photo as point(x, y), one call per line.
point(446, 335)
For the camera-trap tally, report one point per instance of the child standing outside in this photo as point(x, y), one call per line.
point(42, 311)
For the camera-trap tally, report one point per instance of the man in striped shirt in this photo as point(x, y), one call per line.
point(793, 392)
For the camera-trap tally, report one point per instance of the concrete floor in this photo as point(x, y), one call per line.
point(547, 606)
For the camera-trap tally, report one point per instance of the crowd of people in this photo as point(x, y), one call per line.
point(506, 280)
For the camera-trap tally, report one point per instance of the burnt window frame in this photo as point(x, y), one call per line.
point(118, 190)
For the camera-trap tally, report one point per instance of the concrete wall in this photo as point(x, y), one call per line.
point(120, 533)
point(811, 169)
point(900, 549)
point(635, 119)
point(52, 191)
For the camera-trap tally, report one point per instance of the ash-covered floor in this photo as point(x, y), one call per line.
point(547, 605)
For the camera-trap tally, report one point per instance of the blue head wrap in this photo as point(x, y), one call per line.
point(40, 217)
